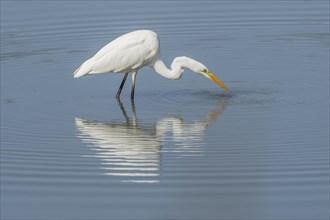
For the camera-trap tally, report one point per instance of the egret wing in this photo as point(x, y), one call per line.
point(127, 53)
point(124, 54)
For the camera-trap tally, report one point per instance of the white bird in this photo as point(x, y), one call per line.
point(132, 51)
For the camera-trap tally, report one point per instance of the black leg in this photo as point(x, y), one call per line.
point(121, 85)
point(123, 111)
point(133, 84)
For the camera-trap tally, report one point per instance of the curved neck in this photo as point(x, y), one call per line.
point(176, 70)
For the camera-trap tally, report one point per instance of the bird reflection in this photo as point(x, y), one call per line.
point(133, 151)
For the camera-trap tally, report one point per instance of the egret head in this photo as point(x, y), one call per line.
point(180, 63)
point(202, 69)
point(205, 72)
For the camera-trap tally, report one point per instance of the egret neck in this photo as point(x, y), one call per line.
point(177, 67)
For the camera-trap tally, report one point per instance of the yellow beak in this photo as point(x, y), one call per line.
point(217, 81)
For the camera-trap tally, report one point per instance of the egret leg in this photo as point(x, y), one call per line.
point(135, 123)
point(133, 84)
point(121, 85)
point(122, 108)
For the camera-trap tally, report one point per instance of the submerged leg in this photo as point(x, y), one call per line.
point(121, 85)
point(135, 123)
point(133, 84)
point(123, 111)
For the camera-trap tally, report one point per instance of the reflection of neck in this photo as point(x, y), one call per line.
point(177, 126)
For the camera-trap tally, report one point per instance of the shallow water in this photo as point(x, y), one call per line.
point(185, 149)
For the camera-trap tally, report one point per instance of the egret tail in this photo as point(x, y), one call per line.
point(84, 69)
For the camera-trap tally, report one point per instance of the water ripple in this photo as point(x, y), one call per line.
point(283, 95)
point(258, 152)
point(50, 27)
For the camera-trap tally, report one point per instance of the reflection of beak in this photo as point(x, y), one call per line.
point(217, 81)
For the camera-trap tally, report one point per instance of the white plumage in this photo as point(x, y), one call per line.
point(127, 53)
point(132, 51)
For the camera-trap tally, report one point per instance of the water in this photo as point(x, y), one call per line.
point(186, 149)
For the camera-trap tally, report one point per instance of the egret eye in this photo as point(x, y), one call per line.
point(205, 71)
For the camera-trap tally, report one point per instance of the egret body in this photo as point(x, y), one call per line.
point(132, 51)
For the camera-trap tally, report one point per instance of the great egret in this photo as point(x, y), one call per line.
point(132, 51)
